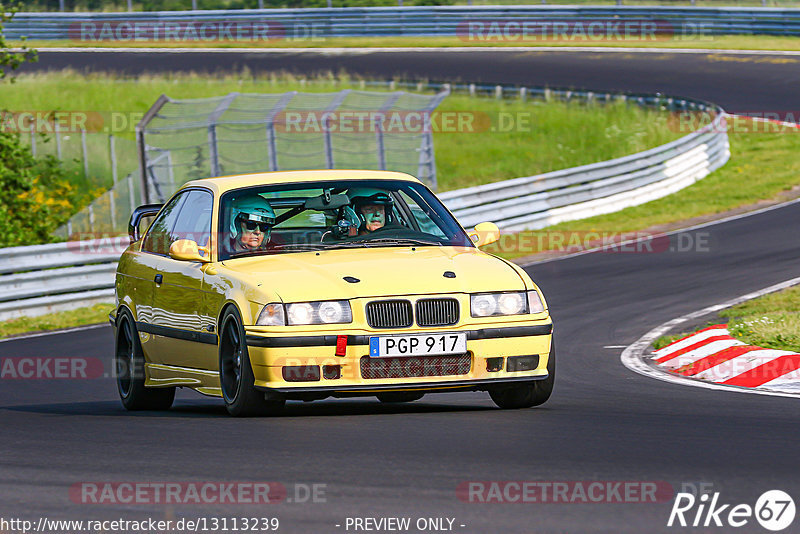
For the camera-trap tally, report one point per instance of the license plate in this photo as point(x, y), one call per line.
point(418, 345)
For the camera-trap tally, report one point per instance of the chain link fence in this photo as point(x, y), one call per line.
point(182, 140)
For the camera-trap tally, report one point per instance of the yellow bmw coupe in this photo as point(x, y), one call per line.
point(303, 285)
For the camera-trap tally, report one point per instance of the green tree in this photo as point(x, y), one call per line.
point(35, 196)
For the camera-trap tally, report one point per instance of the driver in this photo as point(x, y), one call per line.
point(252, 219)
point(373, 207)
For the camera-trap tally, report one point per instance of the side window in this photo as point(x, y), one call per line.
point(194, 218)
point(421, 214)
point(157, 240)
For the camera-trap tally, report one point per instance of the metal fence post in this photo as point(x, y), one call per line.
point(33, 140)
point(113, 153)
point(213, 146)
point(112, 204)
point(335, 103)
point(85, 154)
point(381, 148)
point(272, 147)
point(427, 157)
point(131, 194)
point(141, 145)
point(170, 173)
point(213, 156)
point(58, 141)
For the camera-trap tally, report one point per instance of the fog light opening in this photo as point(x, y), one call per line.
point(301, 373)
point(494, 364)
point(331, 372)
point(522, 363)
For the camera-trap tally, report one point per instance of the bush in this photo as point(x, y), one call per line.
point(35, 195)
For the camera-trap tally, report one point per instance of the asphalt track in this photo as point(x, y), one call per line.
point(738, 82)
point(603, 422)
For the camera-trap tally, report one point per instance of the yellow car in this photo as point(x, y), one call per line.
point(303, 285)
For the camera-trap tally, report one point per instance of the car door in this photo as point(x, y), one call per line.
point(183, 324)
point(147, 264)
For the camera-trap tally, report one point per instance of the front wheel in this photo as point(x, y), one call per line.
point(129, 360)
point(529, 394)
point(236, 374)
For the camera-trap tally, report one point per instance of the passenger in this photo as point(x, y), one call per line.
point(252, 219)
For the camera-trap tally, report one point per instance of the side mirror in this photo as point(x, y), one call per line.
point(484, 234)
point(187, 250)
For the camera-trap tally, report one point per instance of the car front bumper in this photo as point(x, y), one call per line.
point(359, 374)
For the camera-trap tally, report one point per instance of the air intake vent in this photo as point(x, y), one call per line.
point(382, 368)
point(389, 314)
point(437, 312)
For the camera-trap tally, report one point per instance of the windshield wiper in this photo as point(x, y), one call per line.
point(403, 241)
point(298, 246)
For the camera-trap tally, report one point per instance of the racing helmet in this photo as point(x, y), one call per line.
point(252, 209)
point(362, 196)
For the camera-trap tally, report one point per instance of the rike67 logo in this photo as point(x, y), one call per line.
point(774, 510)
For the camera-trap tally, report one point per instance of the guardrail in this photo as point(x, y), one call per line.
point(61, 276)
point(56, 277)
point(538, 201)
point(304, 24)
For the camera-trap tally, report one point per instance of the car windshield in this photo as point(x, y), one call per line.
point(300, 217)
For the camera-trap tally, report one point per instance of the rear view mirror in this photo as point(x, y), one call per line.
point(327, 201)
point(187, 250)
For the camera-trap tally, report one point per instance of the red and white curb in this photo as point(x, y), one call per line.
point(713, 355)
point(712, 359)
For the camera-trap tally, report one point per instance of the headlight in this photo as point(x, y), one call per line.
point(303, 313)
point(326, 312)
point(510, 303)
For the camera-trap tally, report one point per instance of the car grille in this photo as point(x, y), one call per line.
point(389, 314)
point(413, 367)
point(437, 312)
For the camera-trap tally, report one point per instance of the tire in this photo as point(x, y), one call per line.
point(129, 360)
point(236, 377)
point(399, 396)
point(529, 394)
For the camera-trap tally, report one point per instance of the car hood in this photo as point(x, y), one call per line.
point(387, 271)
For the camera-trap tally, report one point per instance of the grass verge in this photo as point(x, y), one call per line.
point(714, 42)
point(500, 139)
point(55, 321)
point(761, 167)
point(771, 321)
